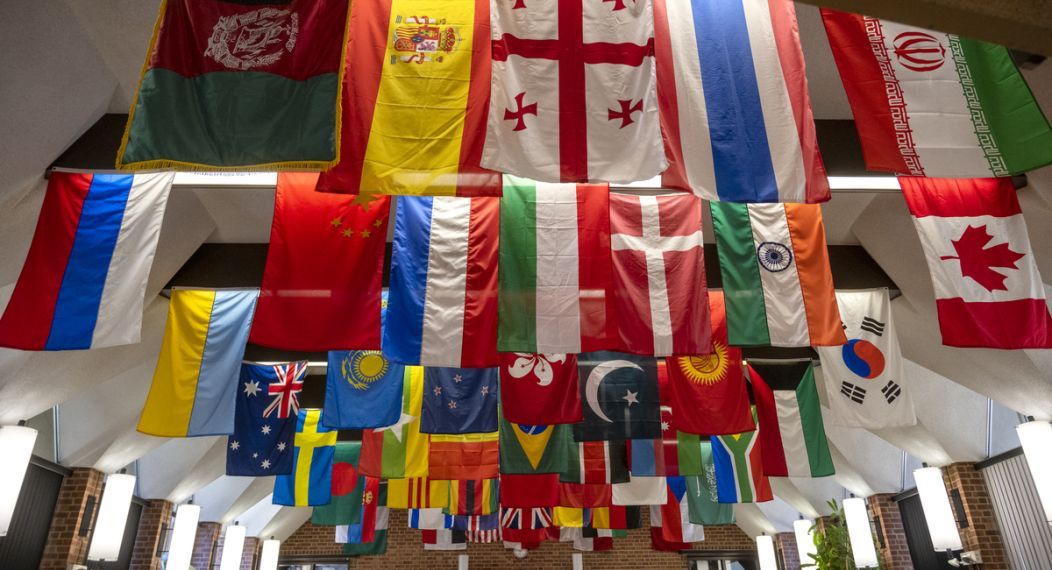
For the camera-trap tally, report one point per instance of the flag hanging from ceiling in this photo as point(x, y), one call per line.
point(374, 515)
point(710, 388)
point(459, 400)
point(442, 303)
point(415, 96)
point(659, 543)
point(482, 529)
point(640, 491)
point(265, 419)
point(444, 539)
point(464, 456)
point(233, 85)
point(528, 491)
point(473, 497)
point(377, 545)
point(596, 462)
point(866, 385)
point(734, 106)
point(417, 493)
point(673, 517)
point(987, 286)
point(573, 96)
point(83, 283)
point(345, 508)
point(193, 391)
point(790, 416)
point(774, 264)
point(703, 502)
point(928, 103)
point(524, 524)
point(399, 450)
point(539, 388)
point(429, 519)
point(528, 449)
point(585, 495)
point(620, 395)
point(659, 274)
point(324, 263)
point(738, 463)
point(310, 482)
point(556, 289)
point(362, 390)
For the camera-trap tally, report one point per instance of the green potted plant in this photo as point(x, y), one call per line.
point(832, 543)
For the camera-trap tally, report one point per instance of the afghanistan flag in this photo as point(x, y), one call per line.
point(238, 84)
point(794, 437)
point(530, 449)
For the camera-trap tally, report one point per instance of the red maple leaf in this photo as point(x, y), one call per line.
point(978, 261)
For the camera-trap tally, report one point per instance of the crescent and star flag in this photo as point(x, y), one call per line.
point(345, 508)
point(659, 274)
point(711, 386)
point(738, 464)
point(83, 283)
point(265, 419)
point(442, 306)
point(362, 390)
point(324, 266)
point(464, 456)
point(673, 516)
point(620, 395)
point(527, 491)
point(417, 493)
point(194, 387)
point(527, 449)
point(774, 264)
point(734, 106)
point(573, 93)
point(310, 482)
point(702, 499)
point(459, 400)
point(928, 103)
point(790, 416)
point(399, 450)
point(556, 287)
point(596, 462)
point(987, 286)
point(865, 381)
point(539, 388)
point(473, 497)
point(239, 85)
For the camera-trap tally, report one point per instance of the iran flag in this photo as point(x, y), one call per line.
point(987, 287)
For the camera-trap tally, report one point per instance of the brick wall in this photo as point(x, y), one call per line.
point(405, 551)
point(65, 546)
point(155, 517)
point(788, 555)
point(982, 533)
point(205, 544)
point(250, 553)
point(895, 553)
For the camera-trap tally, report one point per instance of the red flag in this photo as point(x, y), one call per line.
point(321, 285)
point(528, 491)
point(658, 542)
point(370, 500)
point(463, 456)
point(540, 389)
point(659, 274)
point(711, 386)
point(585, 495)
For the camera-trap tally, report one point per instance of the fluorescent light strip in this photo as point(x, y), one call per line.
point(16, 447)
point(1036, 439)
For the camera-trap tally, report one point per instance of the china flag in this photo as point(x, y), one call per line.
point(321, 285)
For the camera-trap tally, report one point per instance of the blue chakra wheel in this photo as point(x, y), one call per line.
point(774, 257)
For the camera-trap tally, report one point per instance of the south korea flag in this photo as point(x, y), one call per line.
point(864, 378)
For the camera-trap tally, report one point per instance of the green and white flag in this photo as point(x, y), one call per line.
point(791, 429)
point(702, 503)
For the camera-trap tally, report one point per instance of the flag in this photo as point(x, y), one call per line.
point(734, 106)
point(659, 543)
point(865, 381)
point(417, 493)
point(620, 395)
point(347, 490)
point(525, 524)
point(238, 85)
point(378, 545)
point(264, 432)
point(596, 462)
point(528, 491)
point(481, 529)
point(928, 103)
point(362, 390)
point(324, 264)
point(444, 539)
point(539, 388)
point(459, 400)
point(414, 100)
point(738, 464)
point(574, 106)
point(987, 286)
point(443, 305)
point(585, 495)
point(595, 540)
point(673, 516)
point(310, 482)
point(529, 449)
point(775, 266)
point(790, 415)
point(646, 457)
point(193, 391)
point(659, 274)
point(399, 450)
point(83, 283)
point(640, 490)
point(374, 515)
point(710, 386)
point(703, 504)
point(616, 518)
point(429, 519)
point(464, 456)
point(473, 497)
point(556, 287)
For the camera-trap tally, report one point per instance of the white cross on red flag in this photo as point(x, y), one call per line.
point(573, 91)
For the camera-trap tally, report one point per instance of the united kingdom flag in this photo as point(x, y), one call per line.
point(285, 390)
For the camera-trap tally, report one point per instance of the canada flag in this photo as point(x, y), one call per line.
point(987, 286)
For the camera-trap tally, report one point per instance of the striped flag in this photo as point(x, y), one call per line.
point(774, 263)
point(734, 106)
point(399, 450)
point(556, 289)
point(442, 310)
point(474, 496)
point(464, 456)
point(428, 519)
point(417, 493)
point(738, 464)
point(673, 515)
point(596, 462)
point(790, 415)
point(444, 539)
point(928, 103)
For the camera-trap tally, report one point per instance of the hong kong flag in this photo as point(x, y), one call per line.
point(539, 388)
point(987, 287)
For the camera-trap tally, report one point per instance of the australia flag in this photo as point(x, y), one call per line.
point(265, 419)
point(619, 393)
point(459, 400)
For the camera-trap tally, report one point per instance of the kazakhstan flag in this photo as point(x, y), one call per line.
point(362, 390)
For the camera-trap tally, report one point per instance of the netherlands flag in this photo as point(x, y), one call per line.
point(442, 303)
point(84, 280)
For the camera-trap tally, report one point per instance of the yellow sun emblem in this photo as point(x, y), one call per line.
point(362, 368)
point(706, 368)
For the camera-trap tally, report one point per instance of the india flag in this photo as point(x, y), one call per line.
point(937, 105)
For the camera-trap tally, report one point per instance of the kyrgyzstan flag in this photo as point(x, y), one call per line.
point(987, 287)
point(321, 285)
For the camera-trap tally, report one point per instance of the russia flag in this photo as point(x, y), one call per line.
point(84, 280)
